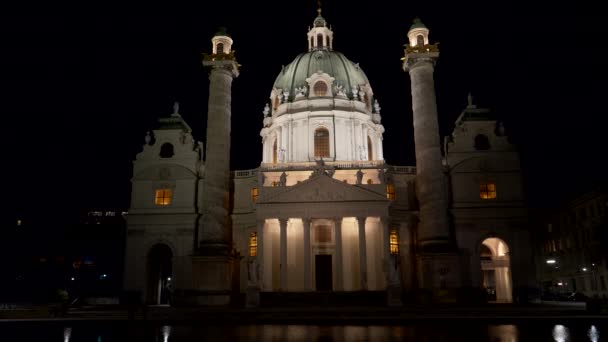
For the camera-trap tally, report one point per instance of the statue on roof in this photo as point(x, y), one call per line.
point(148, 138)
point(176, 107)
point(266, 110)
point(470, 99)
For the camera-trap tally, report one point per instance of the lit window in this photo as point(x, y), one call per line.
point(163, 197)
point(220, 48)
point(394, 242)
point(487, 191)
point(390, 192)
point(321, 142)
point(19, 222)
point(320, 88)
point(253, 244)
point(254, 194)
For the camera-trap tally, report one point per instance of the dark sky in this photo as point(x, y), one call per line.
point(83, 83)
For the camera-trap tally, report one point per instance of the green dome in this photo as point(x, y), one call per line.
point(319, 21)
point(345, 72)
point(417, 24)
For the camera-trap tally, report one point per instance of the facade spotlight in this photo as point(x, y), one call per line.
point(551, 261)
point(584, 269)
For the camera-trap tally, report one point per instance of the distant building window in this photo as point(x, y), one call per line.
point(254, 194)
point(420, 40)
point(321, 142)
point(163, 197)
point(394, 242)
point(253, 244)
point(19, 222)
point(166, 150)
point(370, 155)
point(390, 192)
point(487, 191)
point(220, 48)
point(481, 142)
point(320, 88)
point(323, 234)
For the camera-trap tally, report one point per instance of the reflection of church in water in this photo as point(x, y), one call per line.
point(323, 211)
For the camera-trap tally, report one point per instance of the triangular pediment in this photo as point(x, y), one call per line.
point(322, 188)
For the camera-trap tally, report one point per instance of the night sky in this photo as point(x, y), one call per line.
point(83, 83)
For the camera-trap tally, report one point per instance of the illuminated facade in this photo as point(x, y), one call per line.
point(324, 211)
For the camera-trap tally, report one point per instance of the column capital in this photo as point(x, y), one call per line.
point(361, 219)
point(283, 221)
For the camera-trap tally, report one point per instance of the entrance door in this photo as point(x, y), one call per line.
point(323, 273)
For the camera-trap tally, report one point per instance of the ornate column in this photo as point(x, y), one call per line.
point(212, 263)
point(338, 248)
point(438, 256)
point(307, 270)
point(283, 251)
point(362, 253)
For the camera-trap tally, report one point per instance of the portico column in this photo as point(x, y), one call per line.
point(283, 249)
point(338, 233)
point(362, 253)
point(306, 226)
point(260, 250)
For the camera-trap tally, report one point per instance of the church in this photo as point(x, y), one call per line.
point(324, 212)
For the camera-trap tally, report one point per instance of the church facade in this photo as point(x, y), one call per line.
point(324, 211)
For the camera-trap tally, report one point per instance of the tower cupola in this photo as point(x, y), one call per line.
point(222, 43)
point(418, 34)
point(320, 37)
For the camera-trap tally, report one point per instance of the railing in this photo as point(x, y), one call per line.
point(363, 164)
point(245, 173)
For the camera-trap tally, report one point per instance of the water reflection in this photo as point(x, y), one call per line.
point(503, 333)
point(67, 334)
point(560, 333)
point(166, 330)
point(593, 334)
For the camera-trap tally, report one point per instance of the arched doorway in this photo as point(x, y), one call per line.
point(496, 270)
point(160, 275)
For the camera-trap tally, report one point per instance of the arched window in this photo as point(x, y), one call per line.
point(370, 155)
point(274, 152)
point(319, 40)
point(320, 88)
point(321, 142)
point(420, 40)
point(219, 48)
point(166, 150)
point(482, 142)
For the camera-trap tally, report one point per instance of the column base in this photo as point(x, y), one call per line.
point(212, 278)
point(440, 274)
point(393, 295)
point(252, 297)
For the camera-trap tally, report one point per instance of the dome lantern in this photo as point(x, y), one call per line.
point(222, 43)
point(320, 37)
point(418, 34)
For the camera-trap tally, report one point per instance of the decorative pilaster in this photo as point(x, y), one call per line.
point(338, 249)
point(362, 253)
point(307, 270)
point(283, 251)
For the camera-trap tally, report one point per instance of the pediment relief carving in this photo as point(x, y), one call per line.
point(323, 188)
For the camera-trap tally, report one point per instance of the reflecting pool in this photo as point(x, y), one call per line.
point(427, 331)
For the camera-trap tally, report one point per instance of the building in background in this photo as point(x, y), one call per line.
point(571, 247)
